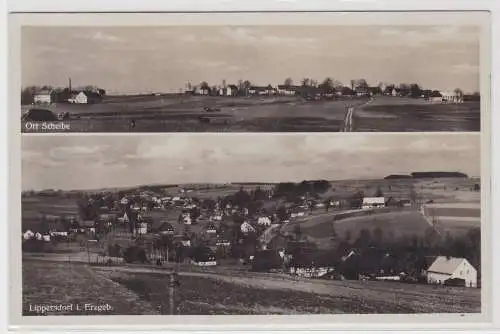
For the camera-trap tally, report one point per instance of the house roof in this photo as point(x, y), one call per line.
point(45, 92)
point(373, 200)
point(445, 265)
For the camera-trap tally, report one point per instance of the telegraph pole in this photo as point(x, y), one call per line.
point(173, 282)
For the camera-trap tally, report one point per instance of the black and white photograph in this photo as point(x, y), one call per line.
point(249, 224)
point(251, 78)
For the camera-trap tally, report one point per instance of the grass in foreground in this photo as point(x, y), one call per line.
point(205, 296)
point(63, 283)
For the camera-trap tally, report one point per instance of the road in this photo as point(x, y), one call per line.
point(348, 124)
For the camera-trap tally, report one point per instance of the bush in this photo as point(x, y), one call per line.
point(135, 254)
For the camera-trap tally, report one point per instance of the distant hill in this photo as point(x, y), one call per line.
point(421, 175)
point(397, 176)
point(427, 175)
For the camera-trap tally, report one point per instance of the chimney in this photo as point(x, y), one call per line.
point(69, 85)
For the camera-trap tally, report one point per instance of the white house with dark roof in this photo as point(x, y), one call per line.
point(373, 202)
point(46, 96)
point(444, 268)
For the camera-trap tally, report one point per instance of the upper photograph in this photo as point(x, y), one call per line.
point(250, 78)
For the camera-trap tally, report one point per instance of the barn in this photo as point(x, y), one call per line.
point(373, 202)
point(80, 98)
point(443, 269)
point(44, 97)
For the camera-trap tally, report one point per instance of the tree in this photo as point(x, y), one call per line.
point(458, 92)
point(378, 192)
point(356, 200)
point(246, 86)
point(305, 82)
point(404, 89)
point(415, 91)
point(288, 82)
point(327, 85)
point(364, 239)
point(204, 85)
point(298, 232)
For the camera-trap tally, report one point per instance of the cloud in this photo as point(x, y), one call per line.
point(423, 36)
point(104, 37)
point(465, 68)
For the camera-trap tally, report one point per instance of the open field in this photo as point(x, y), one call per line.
point(396, 114)
point(49, 283)
point(393, 224)
point(454, 218)
point(141, 290)
point(253, 293)
point(182, 114)
point(33, 207)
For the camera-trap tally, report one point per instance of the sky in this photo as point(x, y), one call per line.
point(164, 59)
point(101, 161)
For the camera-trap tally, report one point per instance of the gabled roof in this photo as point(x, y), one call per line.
point(45, 92)
point(445, 265)
point(373, 200)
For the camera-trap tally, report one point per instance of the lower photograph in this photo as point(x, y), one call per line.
point(177, 224)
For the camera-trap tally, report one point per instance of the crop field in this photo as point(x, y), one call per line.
point(393, 225)
point(33, 207)
point(455, 218)
point(182, 114)
point(395, 114)
point(66, 283)
point(253, 293)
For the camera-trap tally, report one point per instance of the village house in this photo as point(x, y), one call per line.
point(247, 228)
point(264, 221)
point(435, 96)
point(452, 97)
point(166, 228)
point(186, 218)
point(373, 202)
point(445, 268)
point(287, 90)
point(45, 97)
point(211, 229)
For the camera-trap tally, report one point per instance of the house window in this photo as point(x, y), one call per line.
point(467, 271)
point(461, 272)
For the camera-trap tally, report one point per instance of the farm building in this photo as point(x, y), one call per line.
point(445, 268)
point(85, 97)
point(287, 90)
point(211, 229)
point(247, 228)
point(435, 96)
point(80, 98)
point(373, 202)
point(45, 97)
point(264, 221)
point(452, 97)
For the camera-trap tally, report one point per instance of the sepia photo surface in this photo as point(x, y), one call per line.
point(352, 185)
point(248, 78)
point(192, 225)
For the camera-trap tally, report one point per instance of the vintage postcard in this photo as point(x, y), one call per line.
point(312, 77)
point(352, 185)
point(215, 225)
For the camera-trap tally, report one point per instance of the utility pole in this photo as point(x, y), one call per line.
point(173, 282)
